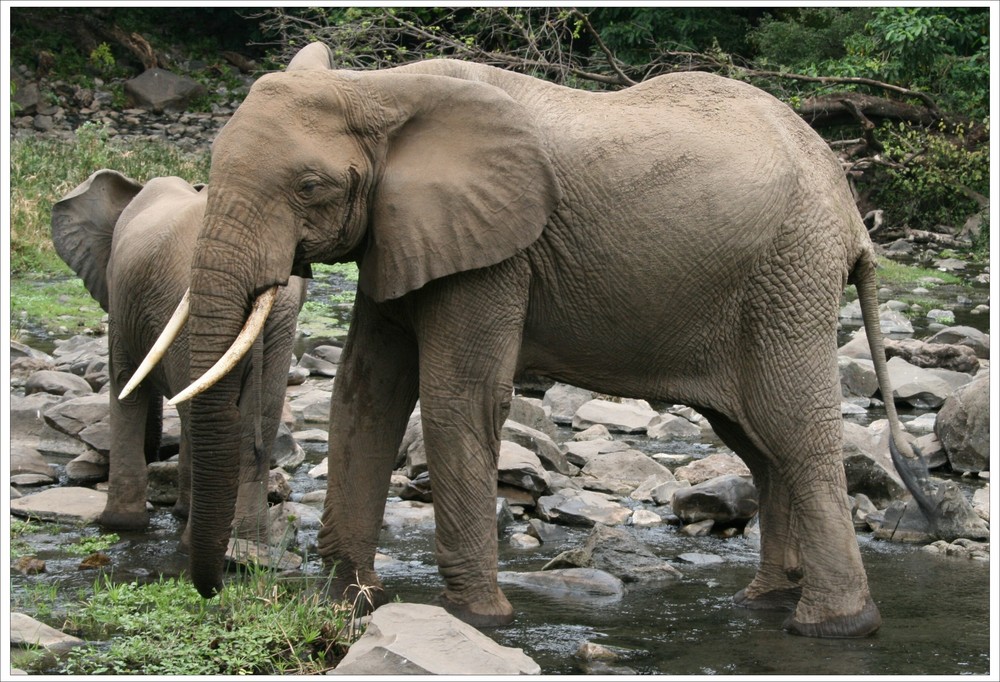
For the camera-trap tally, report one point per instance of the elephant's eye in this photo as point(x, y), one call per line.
point(308, 188)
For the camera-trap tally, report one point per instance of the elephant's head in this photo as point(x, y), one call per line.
point(414, 176)
point(83, 227)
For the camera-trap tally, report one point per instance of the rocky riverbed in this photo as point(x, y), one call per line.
point(598, 495)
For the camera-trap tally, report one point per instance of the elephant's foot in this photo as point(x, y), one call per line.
point(115, 519)
point(773, 600)
point(363, 595)
point(861, 624)
point(484, 613)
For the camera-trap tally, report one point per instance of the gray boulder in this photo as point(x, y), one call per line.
point(520, 467)
point(857, 377)
point(540, 443)
point(622, 472)
point(713, 466)
point(564, 400)
point(57, 383)
point(25, 631)
point(573, 584)
point(619, 552)
point(74, 415)
point(963, 427)
point(951, 356)
point(725, 500)
point(64, 504)
point(628, 416)
point(867, 464)
point(962, 335)
point(917, 386)
point(426, 640)
point(159, 90)
point(581, 508)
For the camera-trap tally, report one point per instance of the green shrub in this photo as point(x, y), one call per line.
point(936, 182)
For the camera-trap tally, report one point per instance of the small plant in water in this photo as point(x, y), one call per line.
point(89, 545)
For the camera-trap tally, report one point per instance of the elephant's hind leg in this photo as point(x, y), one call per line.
point(776, 586)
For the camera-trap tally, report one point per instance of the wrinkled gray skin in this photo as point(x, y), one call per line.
point(687, 240)
point(132, 246)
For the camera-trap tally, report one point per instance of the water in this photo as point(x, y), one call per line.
point(935, 613)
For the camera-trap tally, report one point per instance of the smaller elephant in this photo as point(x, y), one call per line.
point(132, 246)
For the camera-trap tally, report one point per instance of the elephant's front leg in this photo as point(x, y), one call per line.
point(470, 334)
point(127, 477)
point(373, 396)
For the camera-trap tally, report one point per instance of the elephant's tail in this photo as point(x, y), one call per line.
point(909, 464)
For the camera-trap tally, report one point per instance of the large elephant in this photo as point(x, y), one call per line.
point(132, 245)
point(687, 239)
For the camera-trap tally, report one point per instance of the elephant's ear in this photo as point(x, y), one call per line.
point(467, 183)
point(83, 224)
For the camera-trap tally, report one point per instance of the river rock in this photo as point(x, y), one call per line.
point(311, 407)
point(671, 427)
point(317, 366)
point(644, 491)
point(534, 414)
point(578, 453)
point(951, 356)
point(426, 640)
point(408, 514)
point(74, 415)
point(981, 502)
point(917, 386)
point(564, 400)
point(540, 443)
point(707, 468)
point(628, 416)
point(90, 467)
point(963, 427)
point(28, 467)
point(547, 533)
point(27, 414)
point(523, 541)
point(418, 488)
point(857, 377)
point(25, 631)
point(725, 500)
point(65, 505)
point(644, 518)
point(581, 508)
point(246, 552)
point(619, 552)
point(520, 467)
point(621, 472)
point(57, 383)
point(962, 335)
point(867, 464)
point(576, 584)
point(163, 481)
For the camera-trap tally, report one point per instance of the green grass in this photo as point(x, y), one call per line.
point(258, 626)
point(898, 274)
point(43, 170)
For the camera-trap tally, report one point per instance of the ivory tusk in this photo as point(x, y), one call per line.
point(251, 329)
point(156, 353)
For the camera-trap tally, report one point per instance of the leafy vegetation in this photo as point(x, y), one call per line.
point(258, 626)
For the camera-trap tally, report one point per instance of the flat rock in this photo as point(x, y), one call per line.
point(65, 505)
point(248, 552)
point(581, 508)
point(628, 416)
point(622, 472)
point(706, 468)
point(575, 583)
point(427, 640)
point(25, 631)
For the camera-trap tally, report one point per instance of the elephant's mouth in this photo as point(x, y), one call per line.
point(259, 311)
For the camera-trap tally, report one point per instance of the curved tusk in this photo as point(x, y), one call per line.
point(251, 329)
point(156, 353)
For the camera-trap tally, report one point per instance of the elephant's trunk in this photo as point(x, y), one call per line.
point(220, 299)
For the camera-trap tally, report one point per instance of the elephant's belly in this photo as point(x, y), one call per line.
point(629, 357)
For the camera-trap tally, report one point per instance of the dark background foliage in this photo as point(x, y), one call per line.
point(901, 93)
